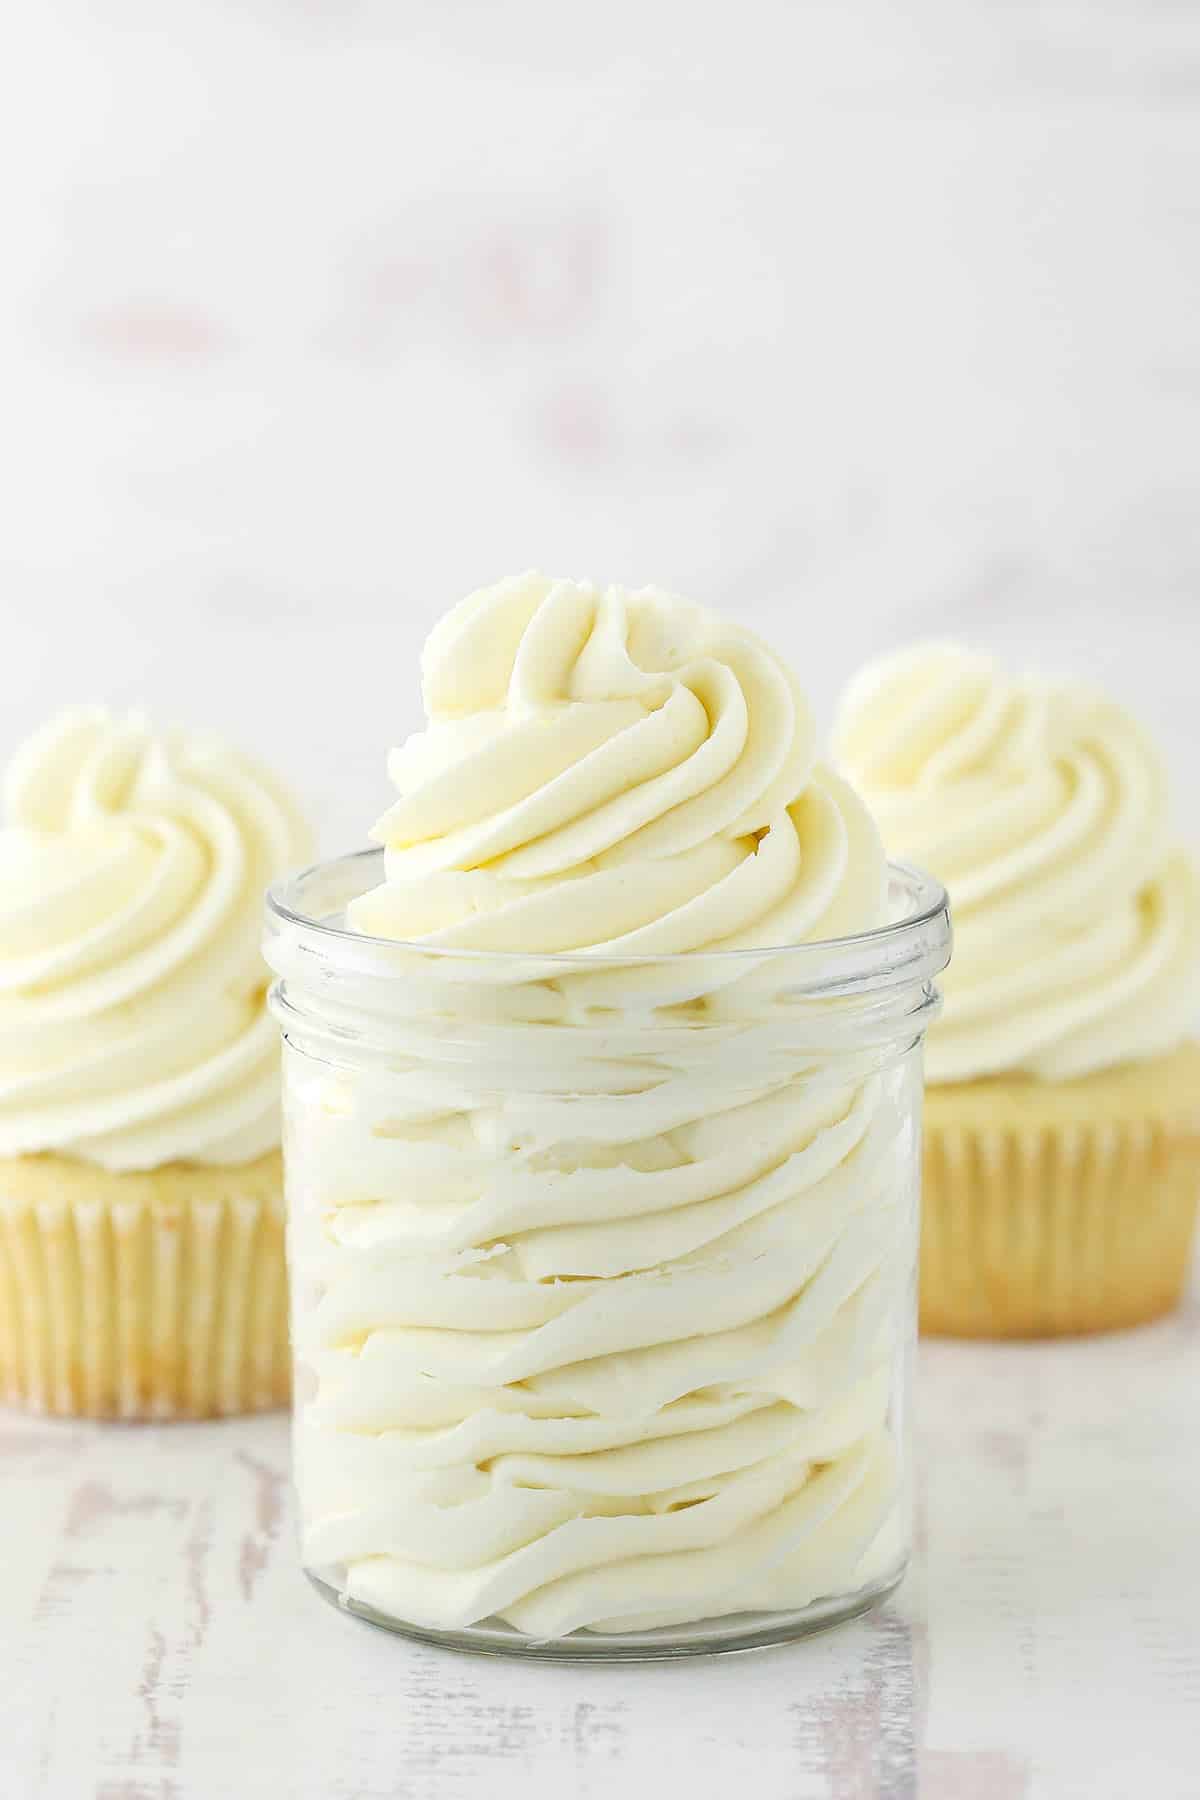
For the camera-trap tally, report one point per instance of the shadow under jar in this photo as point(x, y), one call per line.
point(603, 1278)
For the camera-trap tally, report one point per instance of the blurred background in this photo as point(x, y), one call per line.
point(863, 321)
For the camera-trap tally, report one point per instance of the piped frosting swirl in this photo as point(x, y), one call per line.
point(133, 1026)
point(614, 773)
point(1043, 807)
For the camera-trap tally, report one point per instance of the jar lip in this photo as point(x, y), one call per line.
point(927, 919)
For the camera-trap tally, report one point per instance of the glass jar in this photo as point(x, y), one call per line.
point(603, 1278)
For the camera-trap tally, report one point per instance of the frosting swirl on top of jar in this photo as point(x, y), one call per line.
point(133, 1025)
point(1042, 806)
point(614, 773)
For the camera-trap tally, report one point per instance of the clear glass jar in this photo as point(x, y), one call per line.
point(603, 1278)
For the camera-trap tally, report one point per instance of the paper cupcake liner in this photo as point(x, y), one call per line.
point(144, 1296)
point(1045, 1226)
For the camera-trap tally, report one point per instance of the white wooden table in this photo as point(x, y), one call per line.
point(158, 1642)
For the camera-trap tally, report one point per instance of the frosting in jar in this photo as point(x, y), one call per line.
point(1042, 806)
point(601, 1265)
point(614, 773)
point(133, 1025)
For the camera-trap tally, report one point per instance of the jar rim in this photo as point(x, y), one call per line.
point(922, 934)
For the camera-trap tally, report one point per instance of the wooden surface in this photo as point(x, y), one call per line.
point(158, 1642)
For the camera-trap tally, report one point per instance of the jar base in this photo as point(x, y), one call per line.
point(706, 1637)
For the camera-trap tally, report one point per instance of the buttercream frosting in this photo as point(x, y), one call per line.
point(602, 1264)
point(1042, 805)
point(618, 774)
point(133, 1024)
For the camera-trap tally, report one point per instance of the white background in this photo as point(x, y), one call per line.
point(866, 321)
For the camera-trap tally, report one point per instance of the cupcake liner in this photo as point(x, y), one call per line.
point(1060, 1208)
point(151, 1295)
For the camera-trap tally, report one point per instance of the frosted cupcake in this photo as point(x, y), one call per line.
point(141, 1266)
point(1062, 1162)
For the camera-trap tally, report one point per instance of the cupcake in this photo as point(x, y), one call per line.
point(1062, 1121)
point(141, 1260)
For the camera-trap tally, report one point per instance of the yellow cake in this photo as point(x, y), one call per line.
point(144, 1294)
point(1054, 1207)
point(141, 1211)
point(1062, 1117)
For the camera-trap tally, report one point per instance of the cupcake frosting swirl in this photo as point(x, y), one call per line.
point(133, 1029)
point(1042, 806)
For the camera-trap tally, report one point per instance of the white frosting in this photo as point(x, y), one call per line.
point(1042, 806)
point(600, 1271)
point(616, 774)
point(133, 1026)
